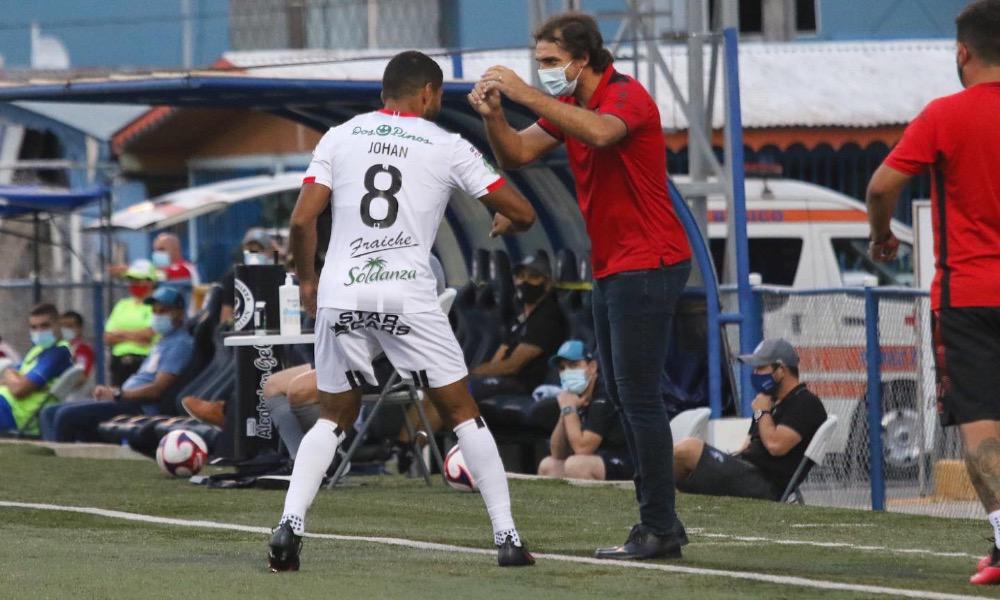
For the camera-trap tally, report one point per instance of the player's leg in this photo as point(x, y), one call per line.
point(277, 396)
point(551, 467)
point(687, 453)
point(967, 344)
point(342, 363)
point(429, 354)
point(585, 466)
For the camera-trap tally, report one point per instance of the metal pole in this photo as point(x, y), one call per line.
point(737, 219)
point(36, 255)
point(97, 296)
point(187, 35)
point(873, 355)
point(697, 161)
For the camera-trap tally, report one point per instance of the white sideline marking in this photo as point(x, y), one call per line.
point(751, 576)
point(867, 548)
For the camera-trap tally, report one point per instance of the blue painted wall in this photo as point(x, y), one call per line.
point(114, 33)
point(887, 19)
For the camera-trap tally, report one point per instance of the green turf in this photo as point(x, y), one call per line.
point(56, 555)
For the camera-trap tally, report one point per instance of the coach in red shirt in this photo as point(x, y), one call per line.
point(641, 258)
point(958, 139)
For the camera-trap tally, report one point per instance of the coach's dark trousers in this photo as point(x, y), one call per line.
point(633, 315)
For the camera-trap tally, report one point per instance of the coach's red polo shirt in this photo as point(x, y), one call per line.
point(958, 138)
point(622, 189)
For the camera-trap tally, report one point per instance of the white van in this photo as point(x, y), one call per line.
point(804, 236)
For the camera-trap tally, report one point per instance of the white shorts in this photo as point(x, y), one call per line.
point(421, 346)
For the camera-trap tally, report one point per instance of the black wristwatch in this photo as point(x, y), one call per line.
point(757, 414)
point(117, 395)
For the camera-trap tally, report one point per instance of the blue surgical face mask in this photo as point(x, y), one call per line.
point(763, 383)
point(68, 334)
point(43, 338)
point(160, 259)
point(162, 324)
point(574, 380)
point(256, 258)
point(554, 80)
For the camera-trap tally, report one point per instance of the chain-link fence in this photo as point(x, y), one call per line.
point(921, 471)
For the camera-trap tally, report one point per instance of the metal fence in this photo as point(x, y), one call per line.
point(867, 353)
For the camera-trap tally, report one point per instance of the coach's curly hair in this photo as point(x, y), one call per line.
point(577, 33)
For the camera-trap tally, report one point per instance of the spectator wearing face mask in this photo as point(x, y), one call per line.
point(588, 442)
point(167, 360)
point(520, 363)
point(128, 330)
point(71, 328)
point(169, 261)
point(785, 418)
point(258, 249)
point(24, 388)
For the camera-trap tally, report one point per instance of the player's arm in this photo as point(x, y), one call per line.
point(152, 390)
point(512, 148)
point(582, 441)
point(883, 192)
point(558, 444)
point(777, 439)
point(513, 211)
point(512, 365)
point(593, 128)
point(313, 199)
point(19, 385)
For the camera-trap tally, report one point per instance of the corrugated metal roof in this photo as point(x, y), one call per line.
point(798, 84)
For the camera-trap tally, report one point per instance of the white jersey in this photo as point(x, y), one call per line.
point(391, 176)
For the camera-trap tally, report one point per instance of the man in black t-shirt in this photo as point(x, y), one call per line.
point(520, 363)
point(588, 441)
point(786, 416)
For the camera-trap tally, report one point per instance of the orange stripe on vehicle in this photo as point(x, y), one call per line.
point(795, 216)
point(836, 389)
point(827, 359)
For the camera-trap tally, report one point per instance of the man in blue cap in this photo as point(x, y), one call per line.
point(588, 441)
point(141, 392)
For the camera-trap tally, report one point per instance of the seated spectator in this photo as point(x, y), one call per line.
point(167, 360)
point(24, 388)
point(588, 441)
point(786, 416)
point(258, 249)
point(520, 363)
point(128, 330)
point(71, 328)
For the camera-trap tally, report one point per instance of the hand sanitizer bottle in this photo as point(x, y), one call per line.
point(288, 307)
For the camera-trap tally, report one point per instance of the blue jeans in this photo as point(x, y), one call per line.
point(78, 421)
point(633, 315)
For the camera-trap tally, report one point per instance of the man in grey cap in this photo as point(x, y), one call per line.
point(785, 419)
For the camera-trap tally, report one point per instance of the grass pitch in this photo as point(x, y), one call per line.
point(48, 554)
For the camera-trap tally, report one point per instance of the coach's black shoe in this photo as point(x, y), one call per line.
point(512, 555)
point(642, 544)
point(284, 549)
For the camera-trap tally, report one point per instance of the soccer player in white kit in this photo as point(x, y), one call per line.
point(389, 174)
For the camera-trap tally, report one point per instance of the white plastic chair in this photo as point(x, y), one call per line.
point(814, 455)
point(446, 299)
point(690, 423)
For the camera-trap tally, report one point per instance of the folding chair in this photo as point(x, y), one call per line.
point(814, 455)
point(59, 390)
point(690, 423)
point(404, 394)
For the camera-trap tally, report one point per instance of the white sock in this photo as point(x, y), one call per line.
point(483, 459)
point(994, 518)
point(314, 457)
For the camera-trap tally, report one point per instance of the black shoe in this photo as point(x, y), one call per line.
point(642, 544)
point(284, 549)
point(510, 555)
